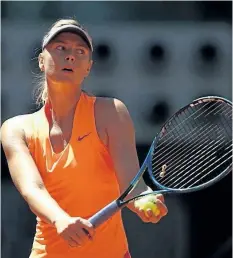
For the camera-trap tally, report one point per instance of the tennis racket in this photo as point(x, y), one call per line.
point(192, 151)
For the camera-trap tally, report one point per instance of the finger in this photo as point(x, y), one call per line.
point(88, 228)
point(162, 208)
point(74, 235)
point(152, 217)
point(142, 215)
point(77, 238)
point(155, 219)
point(72, 242)
point(88, 234)
point(85, 237)
point(149, 213)
point(66, 236)
point(79, 235)
point(160, 197)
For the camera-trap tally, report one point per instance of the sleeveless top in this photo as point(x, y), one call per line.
point(82, 180)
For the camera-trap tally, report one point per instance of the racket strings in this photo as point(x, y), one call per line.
point(228, 157)
point(176, 148)
point(200, 145)
point(179, 150)
point(175, 138)
point(192, 159)
point(188, 174)
point(184, 120)
point(193, 166)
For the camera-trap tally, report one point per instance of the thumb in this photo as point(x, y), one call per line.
point(159, 197)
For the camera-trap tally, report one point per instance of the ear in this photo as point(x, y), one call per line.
point(89, 67)
point(41, 62)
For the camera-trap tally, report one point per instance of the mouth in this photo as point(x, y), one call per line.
point(69, 70)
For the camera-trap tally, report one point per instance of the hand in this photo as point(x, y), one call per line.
point(151, 209)
point(74, 230)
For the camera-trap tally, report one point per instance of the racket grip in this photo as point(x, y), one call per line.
point(104, 214)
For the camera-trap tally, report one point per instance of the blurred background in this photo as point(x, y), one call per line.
point(155, 57)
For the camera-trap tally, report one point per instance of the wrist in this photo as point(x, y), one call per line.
point(59, 218)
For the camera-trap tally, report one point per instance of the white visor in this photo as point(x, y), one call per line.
point(68, 28)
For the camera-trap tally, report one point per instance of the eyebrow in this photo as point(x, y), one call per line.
point(64, 42)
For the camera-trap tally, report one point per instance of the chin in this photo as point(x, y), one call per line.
point(65, 81)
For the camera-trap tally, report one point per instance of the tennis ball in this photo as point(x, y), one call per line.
point(148, 202)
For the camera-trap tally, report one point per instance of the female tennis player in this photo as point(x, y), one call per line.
point(74, 156)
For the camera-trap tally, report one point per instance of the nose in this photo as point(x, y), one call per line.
point(70, 58)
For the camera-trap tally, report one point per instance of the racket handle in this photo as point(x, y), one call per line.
point(104, 214)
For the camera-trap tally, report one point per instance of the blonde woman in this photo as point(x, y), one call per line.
point(74, 155)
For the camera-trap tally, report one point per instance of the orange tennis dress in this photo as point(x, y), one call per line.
point(82, 180)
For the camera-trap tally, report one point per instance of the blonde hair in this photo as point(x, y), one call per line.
point(41, 93)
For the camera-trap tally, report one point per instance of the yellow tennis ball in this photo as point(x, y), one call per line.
point(148, 202)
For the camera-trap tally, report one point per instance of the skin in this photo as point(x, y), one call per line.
point(114, 126)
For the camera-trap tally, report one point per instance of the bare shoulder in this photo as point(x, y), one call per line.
point(17, 122)
point(111, 107)
point(15, 127)
point(113, 115)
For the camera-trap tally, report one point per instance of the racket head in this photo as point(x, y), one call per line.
point(193, 150)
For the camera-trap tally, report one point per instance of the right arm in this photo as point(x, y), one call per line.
point(28, 181)
point(25, 174)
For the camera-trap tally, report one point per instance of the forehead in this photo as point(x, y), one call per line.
point(69, 37)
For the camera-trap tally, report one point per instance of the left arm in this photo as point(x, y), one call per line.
point(122, 147)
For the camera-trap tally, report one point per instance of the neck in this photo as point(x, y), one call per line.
point(63, 103)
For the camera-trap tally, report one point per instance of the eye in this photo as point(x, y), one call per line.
point(80, 51)
point(60, 48)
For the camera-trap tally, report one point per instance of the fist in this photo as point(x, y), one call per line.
point(74, 230)
point(148, 203)
point(151, 208)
